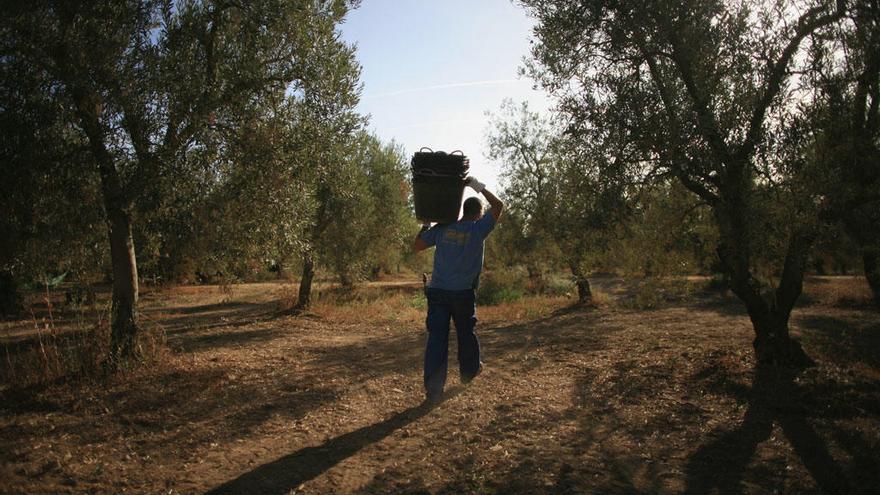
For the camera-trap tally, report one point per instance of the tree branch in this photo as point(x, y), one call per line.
point(807, 24)
point(792, 281)
point(681, 57)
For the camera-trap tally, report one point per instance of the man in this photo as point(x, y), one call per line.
point(458, 261)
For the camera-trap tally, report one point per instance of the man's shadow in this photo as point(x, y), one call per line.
point(774, 398)
point(285, 474)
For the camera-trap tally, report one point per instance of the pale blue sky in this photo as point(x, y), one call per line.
point(432, 68)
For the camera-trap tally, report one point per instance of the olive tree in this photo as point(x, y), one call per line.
point(694, 89)
point(554, 183)
point(141, 81)
point(842, 131)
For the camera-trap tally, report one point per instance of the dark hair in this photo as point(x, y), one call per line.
point(472, 206)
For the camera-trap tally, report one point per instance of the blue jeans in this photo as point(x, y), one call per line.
point(460, 306)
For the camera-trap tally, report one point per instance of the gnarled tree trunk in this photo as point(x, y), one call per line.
point(768, 310)
point(305, 284)
point(585, 294)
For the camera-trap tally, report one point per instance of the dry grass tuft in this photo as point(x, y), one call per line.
point(78, 350)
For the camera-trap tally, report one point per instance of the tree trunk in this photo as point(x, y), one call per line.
point(773, 343)
point(769, 310)
point(536, 277)
point(305, 284)
point(125, 285)
point(871, 258)
point(585, 294)
point(122, 255)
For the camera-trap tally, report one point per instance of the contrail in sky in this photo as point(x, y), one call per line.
point(434, 123)
point(442, 86)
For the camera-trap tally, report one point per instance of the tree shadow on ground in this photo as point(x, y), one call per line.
point(160, 409)
point(233, 338)
point(775, 397)
point(388, 354)
point(233, 314)
point(177, 324)
point(843, 340)
point(287, 473)
point(373, 357)
point(721, 301)
point(567, 332)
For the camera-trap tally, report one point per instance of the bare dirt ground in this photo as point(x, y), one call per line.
point(602, 400)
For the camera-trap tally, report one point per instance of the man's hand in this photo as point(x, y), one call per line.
point(474, 184)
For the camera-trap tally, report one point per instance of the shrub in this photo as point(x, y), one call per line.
point(418, 301)
point(501, 286)
point(655, 292)
point(559, 286)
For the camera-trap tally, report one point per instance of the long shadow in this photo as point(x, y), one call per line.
point(285, 474)
point(569, 329)
point(211, 316)
point(229, 306)
point(775, 398)
point(178, 324)
point(231, 338)
point(842, 339)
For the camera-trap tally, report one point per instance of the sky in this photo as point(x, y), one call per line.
point(431, 69)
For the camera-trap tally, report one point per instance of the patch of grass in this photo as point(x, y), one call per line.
point(406, 306)
point(364, 304)
point(839, 292)
point(525, 308)
point(419, 301)
point(600, 299)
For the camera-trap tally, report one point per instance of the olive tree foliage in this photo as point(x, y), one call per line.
point(140, 85)
point(554, 185)
point(46, 201)
point(698, 90)
point(329, 132)
point(285, 162)
point(841, 132)
point(521, 141)
point(668, 232)
point(388, 232)
point(361, 214)
point(254, 214)
point(348, 210)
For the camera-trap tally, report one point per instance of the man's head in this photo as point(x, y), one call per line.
point(473, 209)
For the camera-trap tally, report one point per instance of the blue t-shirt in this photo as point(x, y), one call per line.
point(458, 258)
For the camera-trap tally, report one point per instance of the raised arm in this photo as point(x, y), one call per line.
point(419, 244)
point(495, 204)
